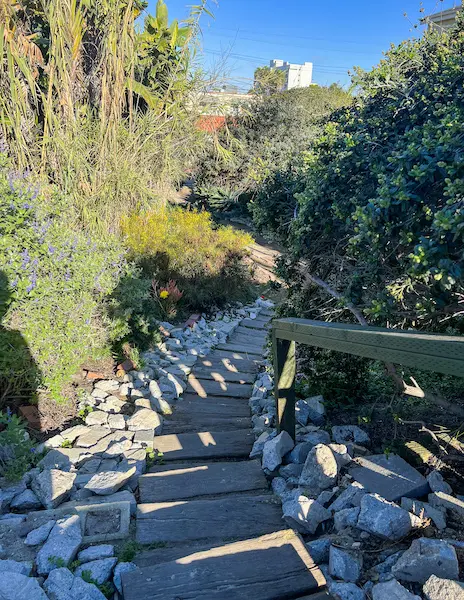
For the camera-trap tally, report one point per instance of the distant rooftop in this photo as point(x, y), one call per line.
point(445, 19)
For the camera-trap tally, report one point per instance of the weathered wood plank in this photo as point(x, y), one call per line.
point(271, 567)
point(235, 517)
point(324, 595)
point(205, 445)
point(235, 356)
point(261, 324)
point(241, 348)
point(222, 374)
point(179, 482)
point(247, 340)
point(256, 334)
point(208, 387)
point(234, 365)
point(428, 362)
point(151, 558)
point(186, 424)
point(220, 406)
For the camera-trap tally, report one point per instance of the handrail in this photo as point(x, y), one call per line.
point(431, 352)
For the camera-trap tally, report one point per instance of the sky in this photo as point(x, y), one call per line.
point(334, 35)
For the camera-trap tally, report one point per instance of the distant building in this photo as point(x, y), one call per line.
point(445, 19)
point(297, 76)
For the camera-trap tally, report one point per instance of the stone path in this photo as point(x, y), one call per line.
point(208, 505)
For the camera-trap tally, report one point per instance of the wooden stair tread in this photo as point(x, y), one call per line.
point(181, 481)
point(255, 334)
point(189, 424)
point(270, 567)
point(205, 445)
point(208, 387)
point(247, 340)
point(261, 324)
point(231, 517)
point(223, 374)
point(236, 356)
point(240, 348)
point(222, 406)
point(229, 363)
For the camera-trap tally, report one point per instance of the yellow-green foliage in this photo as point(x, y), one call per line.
point(173, 243)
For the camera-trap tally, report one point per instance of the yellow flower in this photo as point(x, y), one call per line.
point(164, 294)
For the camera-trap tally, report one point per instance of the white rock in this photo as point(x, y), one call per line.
point(99, 570)
point(14, 586)
point(275, 449)
point(123, 567)
point(39, 535)
point(109, 482)
point(96, 552)
point(392, 590)
point(14, 566)
point(320, 470)
point(145, 419)
point(345, 565)
point(437, 588)
point(384, 519)
point(304, 514)
point(62, 544)
point(427, 557)
point(53, 486)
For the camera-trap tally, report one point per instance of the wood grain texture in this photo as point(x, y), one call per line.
point(229, 363)
point(221, 406)
point(261, 324)
point(205, 444)
point(178, 482)
point(247, 340)
point(270, 567)
point(235, 356)
point(223, 374)
point(256, 334)
point(240, 348)
point(208, 387)
point(187, 424)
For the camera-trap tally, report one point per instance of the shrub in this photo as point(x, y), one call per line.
point(18, 453)
point(205, 263)
point(54, 280)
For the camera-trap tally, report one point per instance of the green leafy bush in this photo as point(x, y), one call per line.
point(54, 282)
point(18, 453)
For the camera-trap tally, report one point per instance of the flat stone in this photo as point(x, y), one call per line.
point(392, 590)
point(39, 536)
point(303, 514)
point(389, 476)
point(91, 466)
point(438, 484)
point(427, 557)
point(345, 565)
point(350, 497)
point(142, 403)
point(144, 419)
point(113, 405)
point(320, 470)
point(346, 518)
point(81, 590)
point(14, 566)
point(437, 588)
point(453, 506)
point(96, 552)
point(122, 567)
point(15, 586)
point(346, 591)
point(144, 438)
point(98, 570)
point(109, 482)
point(54, 442)
point(62, 585)
point(155, 390)
point(275, 449)
point(115, 448)
point(52, 486)
point(96, 417)
point(92, 436)
point(27, 500)
point(63, 458)
point(116, 422)
point(72, 433)
point(382, 518)
point(62, 544)
point(423, 509)
point(349, 433)
point(107, 385)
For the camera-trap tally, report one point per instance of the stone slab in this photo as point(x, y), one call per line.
point(391, 477)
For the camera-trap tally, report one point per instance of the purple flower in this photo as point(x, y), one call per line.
point(67, 276)
point(51, 249)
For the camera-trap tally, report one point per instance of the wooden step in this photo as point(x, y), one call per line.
point(270, 567)
point(256, 333)
point(247, 340)
point(219, 406)
point(223, 374)
point(260, 324)
point(223, 518)
point(187, 424)
point(207, 387)
point(181, 481)
point(235, 356)
point(205, 445)
point(246, 349)
point(233, 364)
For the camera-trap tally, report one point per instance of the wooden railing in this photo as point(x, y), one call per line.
point(439, 353)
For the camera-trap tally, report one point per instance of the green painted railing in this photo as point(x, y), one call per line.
point(439, 353)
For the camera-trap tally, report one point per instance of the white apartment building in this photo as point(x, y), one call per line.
point(297, 76)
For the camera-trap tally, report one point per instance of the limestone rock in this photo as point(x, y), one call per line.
point(310, 409)
point(161, 406)
point(453, 505)
point(99, 570)
point(92, 436)
point(299, 452)
point(319, 550)
point(382, 571)
point(392, 590)
point(437, 588)
point(345, 565)
point(349, 498)
point(382, 518)
point(96, 552)
point(96, 417)
point(427, 557)
point(27, 500)
point(39, 536)
point(320, 470)
point(316, 437)
point(53, 486)
point(81, 590)
point(438, 484)
point(109, 482)
point(275, 449)
point(349, 433)
point(423, 509)
point(145, 419)
point(346, 591)
point(14, 566)
point(62, 585)
point(258, 446)
point(14, 586)
point(122, 567)
point(62, 544)
point(8, 492)
point(304, 514)
point(346, 518)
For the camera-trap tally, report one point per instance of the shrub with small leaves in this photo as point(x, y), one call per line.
point(18, 453)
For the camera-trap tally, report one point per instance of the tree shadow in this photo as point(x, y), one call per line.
point(20, 376)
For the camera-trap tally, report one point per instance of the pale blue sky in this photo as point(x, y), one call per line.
point(335, 35)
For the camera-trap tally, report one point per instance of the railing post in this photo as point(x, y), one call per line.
point(284, 383)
